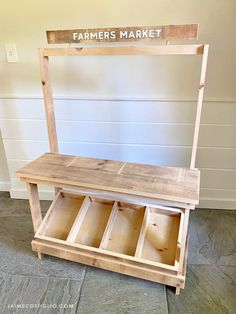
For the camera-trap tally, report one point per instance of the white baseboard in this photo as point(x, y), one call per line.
point(5, 186)
point(208, 203)
point(213, 203)
point(22, 194)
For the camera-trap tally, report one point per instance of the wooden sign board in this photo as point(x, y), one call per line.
point(124, 34)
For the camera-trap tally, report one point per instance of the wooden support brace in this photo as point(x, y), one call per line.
point(199, 105)
point(79, 220)
point(142, 234)
point(35, 207)
point(109, 226)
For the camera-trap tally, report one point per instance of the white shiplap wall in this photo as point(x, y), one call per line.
point(144, 130)
point(141, 127)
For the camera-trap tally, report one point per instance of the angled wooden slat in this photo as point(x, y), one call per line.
point(79, 220)
point(142, 234)
point(199, 105)
point(109, 226)
point(46, 219)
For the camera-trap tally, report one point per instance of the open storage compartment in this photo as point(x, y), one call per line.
point(123, 229)
point(160, 235)
point(91, 221)
point(131, 231)
point(60, 217)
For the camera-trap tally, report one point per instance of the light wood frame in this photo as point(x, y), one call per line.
point(101, 257)
point(173, 275)
point(45, 53)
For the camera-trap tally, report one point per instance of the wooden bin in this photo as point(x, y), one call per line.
point(136, 240)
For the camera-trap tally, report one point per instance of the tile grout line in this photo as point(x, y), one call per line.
point(80, 291)
point(167, 307)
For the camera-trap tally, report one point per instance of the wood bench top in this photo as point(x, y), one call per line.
point(167, 183)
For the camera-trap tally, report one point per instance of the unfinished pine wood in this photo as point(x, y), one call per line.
point(125, 51)
point(142, 234)
point(199, 105)
point(183, 235)
point(125, 232)
point(180, 241)
point(164, 183)
point(124, 34)
point(119, 265)
point(35, 207)
point(79, 219)
point(48, 101)
point(47, 218)
point(86, 202)
point(62, 217)
point(161, 236)
point(94, 223)
point(127, 227)
point(131, 259)
point(109, 226)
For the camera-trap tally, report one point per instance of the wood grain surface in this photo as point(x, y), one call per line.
point(167, 183)
point(124, 34)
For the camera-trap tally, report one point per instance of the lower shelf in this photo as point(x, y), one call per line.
point(140, 241)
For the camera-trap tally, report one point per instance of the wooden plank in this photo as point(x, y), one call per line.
point(60, 217)
point(35, 207)
point(180, 239)
point(109, 226)
point(124, 34)
point(184, 233)
point(126, 228)
point(48, 101)
point(199, 105)
point(43, 227)
point(96, 250)
point(94, 223)
point(109, 263)
point(142, 234)
point(79, 220)
point(161, 236)
point(124, 197)
point(125, 50)
point(181, 188)
point(184, 268)
point(134, 202)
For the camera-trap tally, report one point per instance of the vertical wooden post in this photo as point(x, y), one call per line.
point(48, 104)
point(48, 101)
point(199, 105)
point(35, 207)
point(183, 246)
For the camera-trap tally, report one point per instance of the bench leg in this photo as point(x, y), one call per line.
point(40, 255)
point(177, 290)
point(35, 207)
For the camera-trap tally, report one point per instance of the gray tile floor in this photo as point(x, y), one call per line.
point(65, 287)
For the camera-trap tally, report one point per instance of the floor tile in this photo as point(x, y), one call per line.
point(16, 234)
point(4, 194)
point(212, 237)
point(108, 292)
point(15, 207)
point(54, 295)
point(210, 289)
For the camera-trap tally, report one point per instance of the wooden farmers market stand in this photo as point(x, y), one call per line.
point(125, 217)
